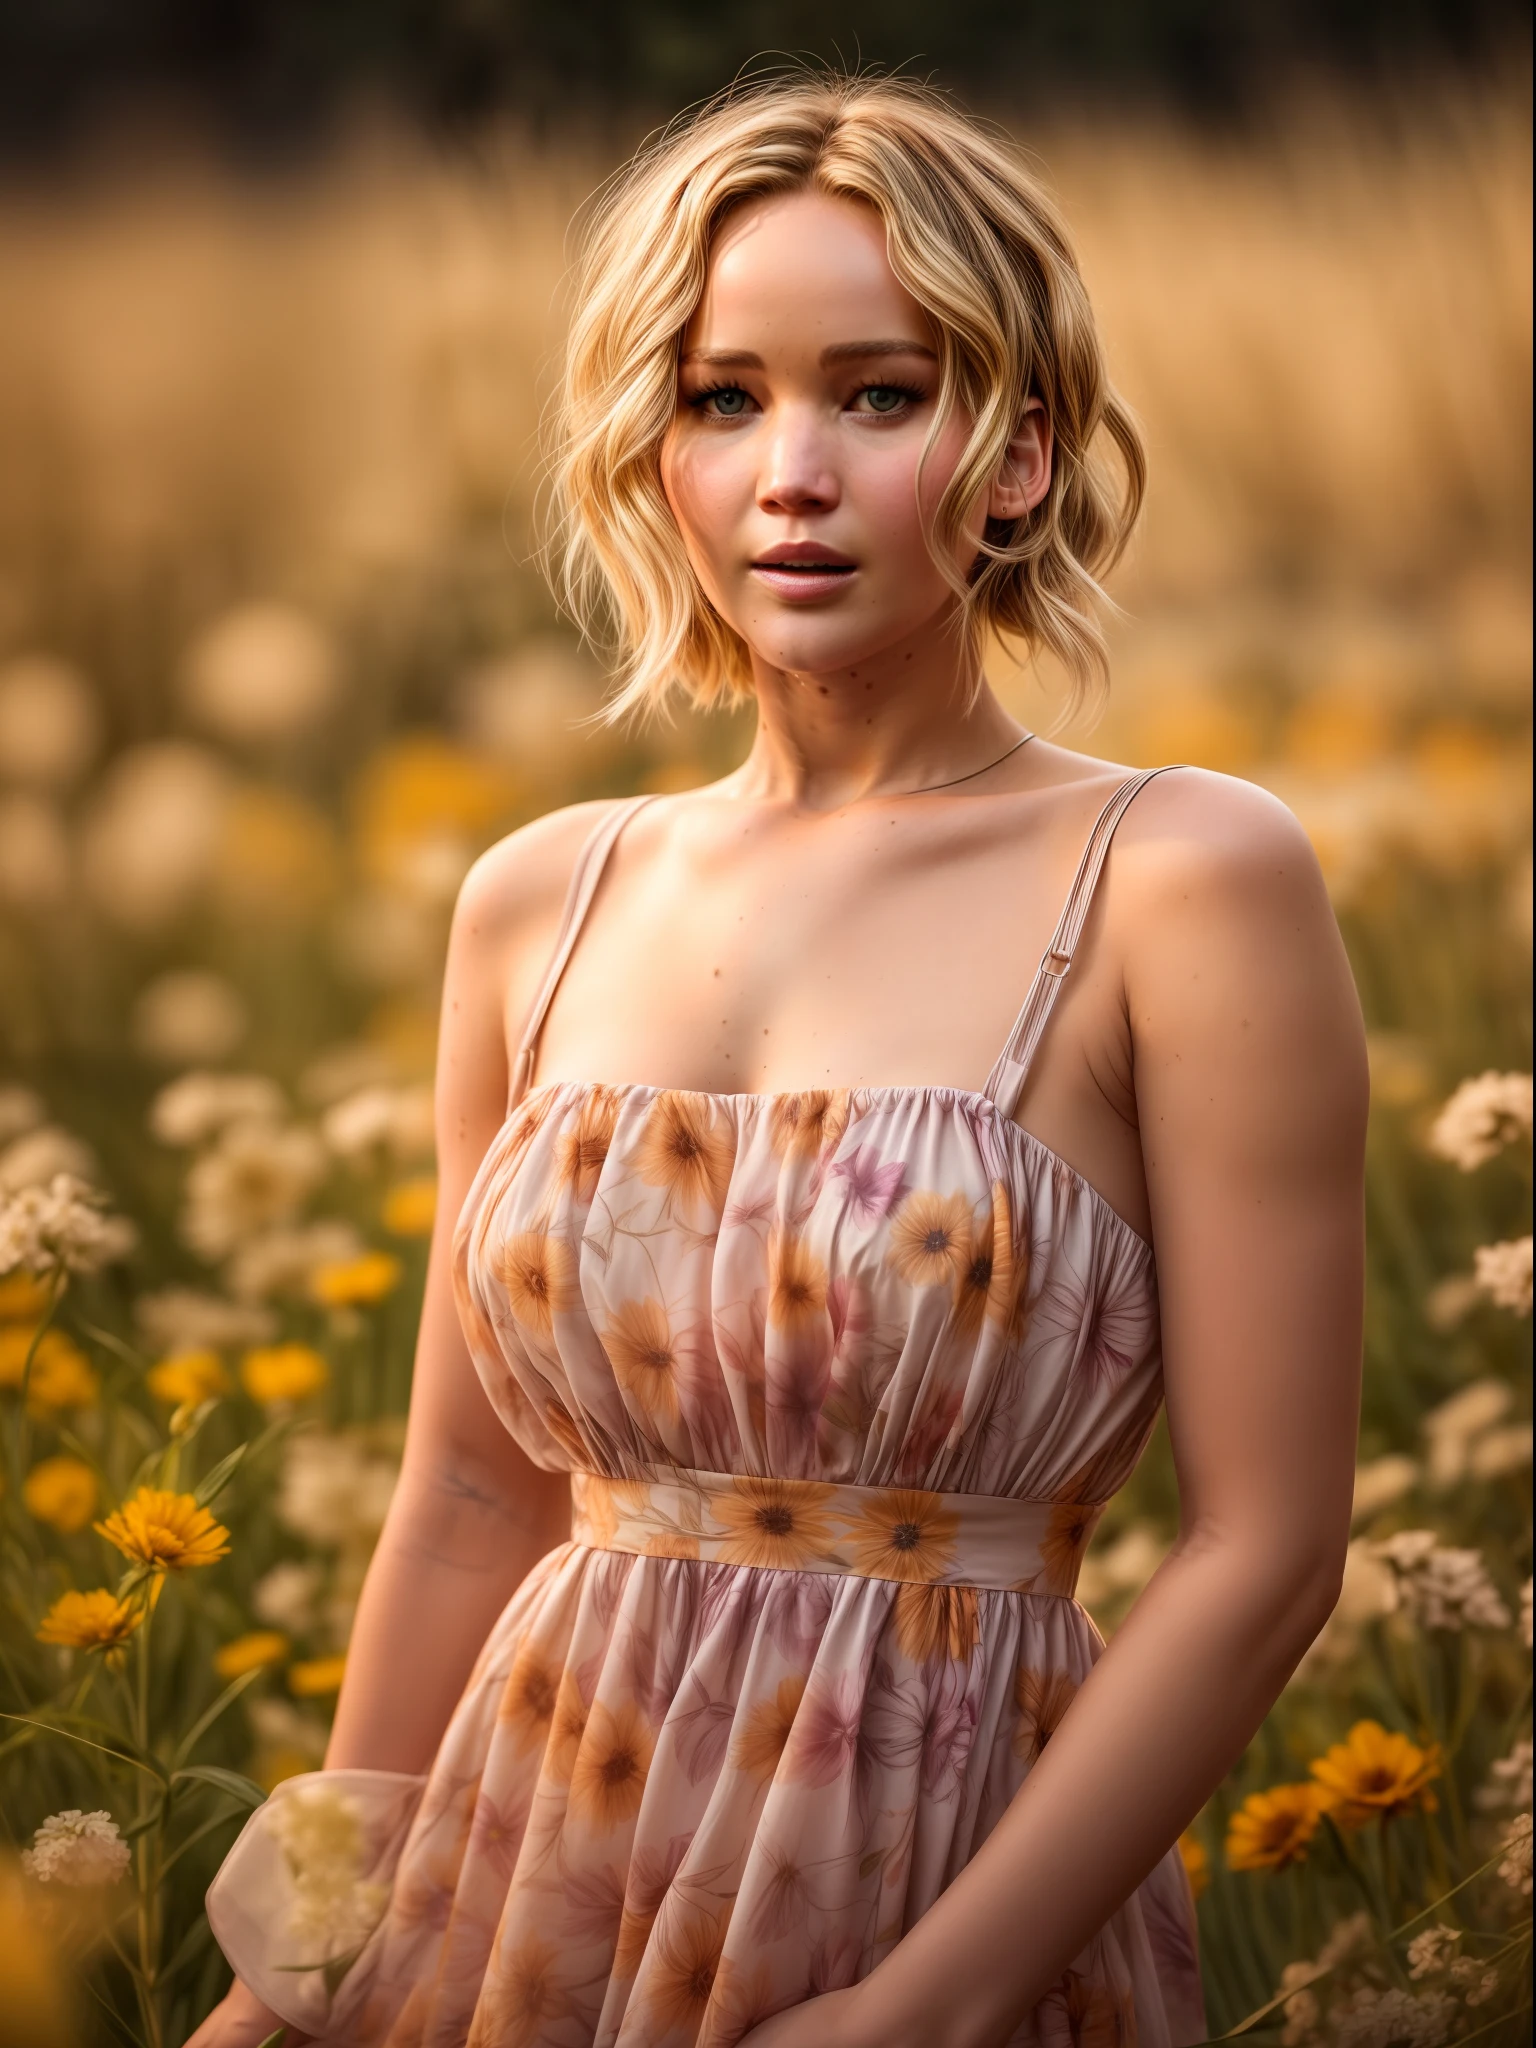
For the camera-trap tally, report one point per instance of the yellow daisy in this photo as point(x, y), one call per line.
point(97, 1620)
point(685, 1149)
point(797, 1284)
point(169, 1532)
point(540, 1276)
point(931, 1238)
point(608, 1776)
point(900, 1533)
point(62, 1492)
point(1273, 1829)
point(780, 1524)
point(639, 1346)
point(1375, 1773)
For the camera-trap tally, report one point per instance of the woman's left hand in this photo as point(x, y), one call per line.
point(826, 2022)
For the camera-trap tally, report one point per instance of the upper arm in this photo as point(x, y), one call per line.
point(504, 927)
point(1251, 1096)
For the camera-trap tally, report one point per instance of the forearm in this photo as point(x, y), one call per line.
point(1166, 1712)
point(450, 1556)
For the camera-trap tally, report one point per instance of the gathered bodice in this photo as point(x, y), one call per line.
point(878, 1287)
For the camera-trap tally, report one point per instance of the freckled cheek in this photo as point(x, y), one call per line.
point(893, 507)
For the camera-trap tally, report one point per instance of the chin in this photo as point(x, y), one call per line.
point(832, 650)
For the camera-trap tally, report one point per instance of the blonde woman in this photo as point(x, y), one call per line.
point(839, 1166)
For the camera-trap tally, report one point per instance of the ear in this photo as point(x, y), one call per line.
point(1024, 475)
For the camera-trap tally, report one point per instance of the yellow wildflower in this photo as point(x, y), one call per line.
point(320, 1675)
point(24, 1297)
point(249, 1653)
point(346, 1282)
point(282, 1372)
point(167, 1531)
point(410, 1207)
point(1197, 1865)
point(62, 1376)
point(1374, 1771)
point(1273, 1829)
point(187, 1376)
point(97, 1620)
point(61, 1492)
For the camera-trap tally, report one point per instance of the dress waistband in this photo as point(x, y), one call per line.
point(898, 1533)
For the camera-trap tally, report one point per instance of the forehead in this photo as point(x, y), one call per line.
point(803, 268)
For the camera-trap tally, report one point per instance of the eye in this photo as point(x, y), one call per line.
point(886, 398)
point(723, 402)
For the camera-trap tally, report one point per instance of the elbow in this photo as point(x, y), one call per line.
point(1289, 1584)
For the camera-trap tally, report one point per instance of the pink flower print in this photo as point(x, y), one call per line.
point(873, 1189)
point(496, 1833)
point(835, 1963)
point(948, 1728)
point(785, 1899)
point(594, 1903)
point(824, 1743)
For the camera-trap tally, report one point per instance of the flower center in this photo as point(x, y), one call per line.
point(619, 1767)
point(775, 1521)
point(906, 1536)
point(936, 1242)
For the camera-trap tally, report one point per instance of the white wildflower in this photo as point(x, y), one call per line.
point(333, 1909)
point(152, 832)
point(1501, 1451)
point(285, 1596)
point(50, 726)
point(1433, 1951)
point(1439, 1587)
point(343, 1069)
point(1504, 1273)
point(1509, 1786)
point(1450, 1301)
point(61, 1226)
point(1368, 1591)
point(281, 1261)
point(335, 1488)
point(189, 1014)
point(32, 1161)
point(1476, 1981)
point(1369, 2018)
point(279, 1724)
point(1481, 1118)
point(1381, 1482)
point(261, 673)
point(77, 1848)
point(1303, 2014)
point(20, 1110)
point(1451, 1429)
point(255, 1176)
point(183, 1319)
point(197, 1106)
point(381, 1119)
point(1515, 1867)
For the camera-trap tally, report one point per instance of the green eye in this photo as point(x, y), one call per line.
point(885, 398)
point(728, 403)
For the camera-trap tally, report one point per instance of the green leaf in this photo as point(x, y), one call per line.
point(151, 1769)
point(192, 1943)
point(200, 1727)
point(214, 1482)
point(246, 1790)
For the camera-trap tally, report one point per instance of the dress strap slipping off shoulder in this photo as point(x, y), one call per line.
point(843, 1380)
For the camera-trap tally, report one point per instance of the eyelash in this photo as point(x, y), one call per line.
point(910, 393)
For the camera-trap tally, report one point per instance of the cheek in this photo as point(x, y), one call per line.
point(703, 490)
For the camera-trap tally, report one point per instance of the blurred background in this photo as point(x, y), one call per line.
point(283, 286)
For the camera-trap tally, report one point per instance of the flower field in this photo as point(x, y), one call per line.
point(275, 664)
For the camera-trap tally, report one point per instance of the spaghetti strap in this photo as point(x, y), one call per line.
point(1005, 1083)
point(585, 876)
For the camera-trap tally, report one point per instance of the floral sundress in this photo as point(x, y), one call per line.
point(843, 1380)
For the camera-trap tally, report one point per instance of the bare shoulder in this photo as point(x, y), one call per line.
point(1196, 842)
point(516, 888)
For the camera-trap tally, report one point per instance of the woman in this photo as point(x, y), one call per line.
point(819, 1299)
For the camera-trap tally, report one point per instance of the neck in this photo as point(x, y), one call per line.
point(916, 713)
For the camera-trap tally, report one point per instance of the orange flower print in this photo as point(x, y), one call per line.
point(684, 1150)
point(903, 1534)
point(687, 1945)
point(1042, 1697)
point(639, 1345)
point(609, 1774)
point(568, 1724)
point(521, 1996)
point(797, 1284)
point(803, 1125)
point(582, 1151)
point(931, 1239)
point(986, 1284)
point(1078, 2014)
point(539, 1272)
point(526, 1122)
point(594, 1513)
point(779, 1524)
point(527, 1704)
point(672, 1543)
point(650, 1879)
point(565, 1434)
point(760, 1744)
point(937, 1621)
point(1061, 1547)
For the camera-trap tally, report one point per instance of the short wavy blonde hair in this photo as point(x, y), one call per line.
point(975, 239)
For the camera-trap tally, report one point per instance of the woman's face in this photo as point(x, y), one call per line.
point(807, 388)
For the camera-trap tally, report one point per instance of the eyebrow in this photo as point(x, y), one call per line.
point(839, 352)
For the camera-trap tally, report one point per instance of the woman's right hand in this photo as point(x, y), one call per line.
point(242, 2021)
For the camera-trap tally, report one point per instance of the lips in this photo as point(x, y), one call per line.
point(803, 570)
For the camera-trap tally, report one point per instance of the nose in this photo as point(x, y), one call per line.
point(798, 474)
